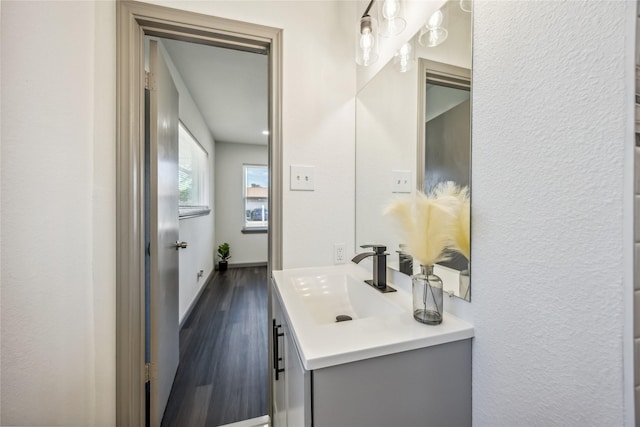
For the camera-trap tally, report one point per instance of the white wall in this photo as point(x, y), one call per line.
point(245, 248)
point(58, 213)
point(318, 117)
point(550, 120)
point(198, 232)
point(386, 136)
point(58, 187)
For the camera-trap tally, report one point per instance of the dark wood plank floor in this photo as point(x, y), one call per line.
point(223, 372)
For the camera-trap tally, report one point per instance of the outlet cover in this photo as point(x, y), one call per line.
point(302, 178)
point(401, 181)
point(339, 253)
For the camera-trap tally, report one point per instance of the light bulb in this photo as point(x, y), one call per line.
point(366, 43)
point(390, 9)
point(432, 38)
point(433, 33)
point(393, 22)
point(435, 20)
point(403, 58)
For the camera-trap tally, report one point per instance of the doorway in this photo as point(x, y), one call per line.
point(218, 376)
point(136, 20)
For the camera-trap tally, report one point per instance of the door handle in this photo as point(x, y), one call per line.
point(181, 245)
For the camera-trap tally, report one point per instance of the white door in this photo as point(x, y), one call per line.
point(163, 167)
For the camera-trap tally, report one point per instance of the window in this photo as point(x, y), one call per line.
point(256, 197)
point(193, 175)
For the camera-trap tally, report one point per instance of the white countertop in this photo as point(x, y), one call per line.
point(323, 345)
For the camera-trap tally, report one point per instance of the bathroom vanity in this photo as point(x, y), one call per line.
point(382, 368)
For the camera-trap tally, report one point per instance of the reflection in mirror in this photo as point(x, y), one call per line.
point(447, 131)
point(413, 130)
point(447, 141)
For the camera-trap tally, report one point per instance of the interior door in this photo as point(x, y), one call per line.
point(163, 210)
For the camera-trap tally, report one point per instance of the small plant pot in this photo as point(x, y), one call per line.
point(222, 266)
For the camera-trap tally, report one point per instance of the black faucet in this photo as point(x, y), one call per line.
point(405, 260)
point(379, 267)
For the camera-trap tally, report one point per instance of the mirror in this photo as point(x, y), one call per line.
point(413, 130)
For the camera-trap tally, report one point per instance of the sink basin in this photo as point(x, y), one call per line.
point(309, 299)
point(327, 296)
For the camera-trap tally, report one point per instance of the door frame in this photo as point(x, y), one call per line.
point(134, 20)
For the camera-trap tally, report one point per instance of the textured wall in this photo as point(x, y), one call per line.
point(636, 293)
point(549, 123)
point(58, 213)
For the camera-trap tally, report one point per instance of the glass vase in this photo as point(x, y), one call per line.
point(427, 296)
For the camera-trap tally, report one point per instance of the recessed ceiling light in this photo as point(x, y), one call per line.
point(265, 132)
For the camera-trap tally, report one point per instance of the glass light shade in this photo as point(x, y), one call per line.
point(393, 22)
point(466, 5)
point(432, 37)
point(404, 58)
point(367, 41)
point(434, 32)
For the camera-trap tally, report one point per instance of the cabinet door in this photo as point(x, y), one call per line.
point(278, 379)
point(298, 384)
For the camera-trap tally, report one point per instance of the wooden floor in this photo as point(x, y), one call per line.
point(223, 372)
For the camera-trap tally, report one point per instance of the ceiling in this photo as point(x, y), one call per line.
point(230, 88)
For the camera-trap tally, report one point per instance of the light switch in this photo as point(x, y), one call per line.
point(401, 181)
point(302, 178)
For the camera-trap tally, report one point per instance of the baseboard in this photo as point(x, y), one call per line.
point(195, 300)
point(246, 264)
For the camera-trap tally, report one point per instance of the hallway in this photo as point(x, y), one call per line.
point(223, 373)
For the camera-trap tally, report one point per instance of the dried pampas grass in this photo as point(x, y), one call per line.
point(434, 222)
point(426, 225)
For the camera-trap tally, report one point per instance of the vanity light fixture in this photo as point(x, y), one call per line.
point(404, 57)
point(367, 39)
point(434, 32)
point(392, 21)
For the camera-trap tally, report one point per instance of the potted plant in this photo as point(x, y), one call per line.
point(223, 253)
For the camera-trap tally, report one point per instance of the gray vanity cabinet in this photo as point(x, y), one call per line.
point(429, 386)
point(425, 387)
point(291, 382)
point(277, 375)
